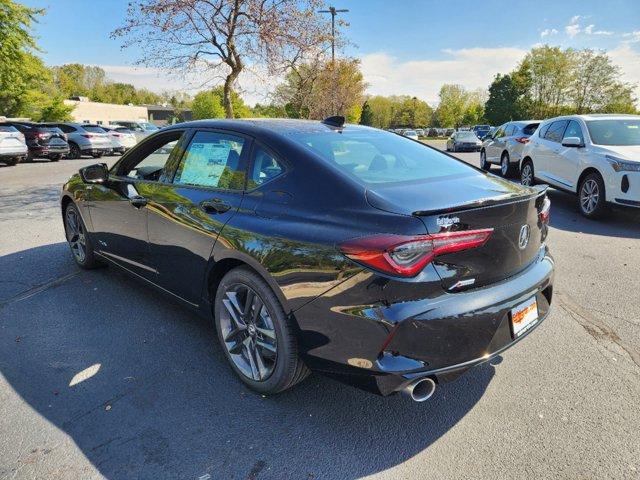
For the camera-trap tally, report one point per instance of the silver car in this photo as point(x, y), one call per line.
point(139, 129)
point(504, 147)
point(13, 147)
point(122, 139)
point(85, 139)
point(463, 141)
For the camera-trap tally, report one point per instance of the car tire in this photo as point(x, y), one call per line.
point(506, 168)
point(591, 197)
point(74, 152)
point(96, 155)
point(11, 162)
point(527, 177)
point(484, 165)
point(258, 339)
point(78, 239)
point(55, 158)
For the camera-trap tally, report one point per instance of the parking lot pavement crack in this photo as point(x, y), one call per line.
point(38, 289)
point(595, 327)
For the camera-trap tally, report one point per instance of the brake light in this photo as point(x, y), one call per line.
point(545, 211)
point(406, 256)
point(522, 139)
point(88, 135)
point(42, 135)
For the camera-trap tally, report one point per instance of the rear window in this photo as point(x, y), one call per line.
point(466, 136)
point(381, 157)
point(123, 130)
point(93, 129)
point(530, 129)
point(8, 128)
point(615, 132)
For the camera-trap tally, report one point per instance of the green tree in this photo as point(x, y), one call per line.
point(269, 111)
point(54, 111)
point(452, 106)
point(504, 102)
point(206, 105)
point(366, 117)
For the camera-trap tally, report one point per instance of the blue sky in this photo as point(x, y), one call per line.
point(406, 47)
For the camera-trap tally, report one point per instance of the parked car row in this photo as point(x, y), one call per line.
point(25, 141)
point(596, 157)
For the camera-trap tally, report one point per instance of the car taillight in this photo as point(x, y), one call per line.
point(522, 139)
point(545, 211)
point(88, 135)
point(42, 135)
point(406, 256)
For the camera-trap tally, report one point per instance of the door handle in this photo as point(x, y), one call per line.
point(138, 201)
point(215, 206)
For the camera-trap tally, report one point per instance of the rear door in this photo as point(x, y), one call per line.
point(187, 215)
point(551, 160)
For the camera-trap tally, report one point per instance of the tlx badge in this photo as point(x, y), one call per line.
point(447, 221)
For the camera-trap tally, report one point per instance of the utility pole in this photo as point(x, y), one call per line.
point(333, 11)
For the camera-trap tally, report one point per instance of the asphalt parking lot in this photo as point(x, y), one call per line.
point(100, 377)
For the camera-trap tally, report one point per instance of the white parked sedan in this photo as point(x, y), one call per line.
point(12, 145)
point(595, 156)
point(412, 134)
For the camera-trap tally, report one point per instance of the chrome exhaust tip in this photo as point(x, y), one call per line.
point(420, 390)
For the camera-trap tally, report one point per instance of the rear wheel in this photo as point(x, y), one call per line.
point(255, 333)
point(96, 155)
point(12, 161)
point(506, 169)
point(484, 165)
point(591, 196)
point(526, 174)
point(74, 152)
point(78, 240)
point(55, 158)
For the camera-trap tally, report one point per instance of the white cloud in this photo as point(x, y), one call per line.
point(471, 67)
point(589, 30)
point(548, 32)
point(574, 27)
point(633, 37)
point(628, 60)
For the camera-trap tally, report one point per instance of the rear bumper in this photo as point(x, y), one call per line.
point(13, 152)
point(439, 337)
point(47, 150)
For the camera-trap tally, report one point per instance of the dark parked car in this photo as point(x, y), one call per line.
point(43, 141)
point(481, 131)
point(347, 250)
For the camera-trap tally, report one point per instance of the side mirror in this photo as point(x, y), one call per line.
point(572, 142)
point(97, 173)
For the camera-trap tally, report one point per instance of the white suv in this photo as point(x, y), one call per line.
point(595, 156)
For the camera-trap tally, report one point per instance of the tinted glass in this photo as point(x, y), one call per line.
point(380, 157)
point(543, 130)
point(93, 129)
point(466, 136)
point(555, 131)
point(530, 129)
point(509, 130)
point(264, 167)
point(615, 132)
point(122, 130)
point(149, 127)
point(573, 130)
point(67, 128)
point(212, 160)
point(7, 128)
point(151, 165)
point(500, 132)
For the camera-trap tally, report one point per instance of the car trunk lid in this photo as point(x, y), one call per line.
point(473, 202)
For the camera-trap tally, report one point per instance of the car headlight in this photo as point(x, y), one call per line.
point(620, 165)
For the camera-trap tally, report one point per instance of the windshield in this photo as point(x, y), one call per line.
point(466, 136)
point(380, 157)
point(149, 127)
point(615, 132)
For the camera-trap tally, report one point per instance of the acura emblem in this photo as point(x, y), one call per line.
point(523, 239)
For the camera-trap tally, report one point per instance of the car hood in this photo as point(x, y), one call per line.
point(445, 194)
point(628, 152)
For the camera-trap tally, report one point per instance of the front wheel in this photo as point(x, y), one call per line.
point(484, 165)
point(74, 152)
point(55, 158)
point(506, 169)
point(11, 162)
point(591, 196)
point(96, 155)
point(256, 334)
point(78, 240)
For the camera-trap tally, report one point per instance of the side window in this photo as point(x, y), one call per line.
point(509, 130)
point(555, 131)
point(66, 128)
point(543, 130)
point(148, 162)
point(500, 132)
point(263, 168)
point(212, 160)
point(573, 130)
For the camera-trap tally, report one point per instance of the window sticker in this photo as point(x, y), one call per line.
point(205, 163)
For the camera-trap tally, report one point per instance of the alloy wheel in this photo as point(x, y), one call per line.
point(76, 235)
point(483, 159)
point(526, 176)
point(248, 332)
point(504, 166)
point(589, 196)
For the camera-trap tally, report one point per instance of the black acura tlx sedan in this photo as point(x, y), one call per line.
point(342, 249)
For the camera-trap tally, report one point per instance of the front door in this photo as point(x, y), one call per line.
point(187, 215)
point(567, 164)
point(496, 145)
point(119, 211)
point(549, 158)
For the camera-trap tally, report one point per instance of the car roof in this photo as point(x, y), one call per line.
point(269, 126)
point(596, 116)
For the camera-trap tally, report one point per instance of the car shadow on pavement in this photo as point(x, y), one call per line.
point(619, 222)
point(141, 386)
